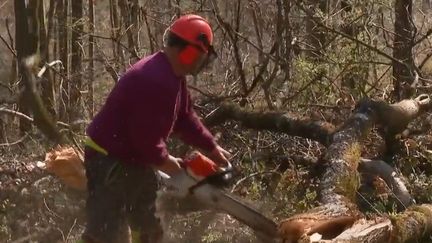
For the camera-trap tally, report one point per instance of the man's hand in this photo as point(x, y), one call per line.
point(220, 155)
point(170, 166)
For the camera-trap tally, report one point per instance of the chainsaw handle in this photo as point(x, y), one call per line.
point(218, 179)
point(229, 168)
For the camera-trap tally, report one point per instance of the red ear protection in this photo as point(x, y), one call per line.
point(188, 55)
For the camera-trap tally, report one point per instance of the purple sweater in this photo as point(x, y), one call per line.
point(148, 104)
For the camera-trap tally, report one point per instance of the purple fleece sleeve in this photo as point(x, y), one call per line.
point(189, 127)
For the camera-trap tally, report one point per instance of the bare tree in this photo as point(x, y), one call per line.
point(129, 12)
point(403, 72)
point(75, 85)
point(63, 39)
point(90, 87)
point(46, 32)
point(26, 42)
point(118, 56)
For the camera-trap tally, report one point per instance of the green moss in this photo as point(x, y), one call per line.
point(401, 233)
point(348, 184)
point(212, 237)
point(352, 155)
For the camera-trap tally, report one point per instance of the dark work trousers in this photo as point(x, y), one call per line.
point(120, 196)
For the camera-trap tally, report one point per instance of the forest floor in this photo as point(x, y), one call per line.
point(279, 176)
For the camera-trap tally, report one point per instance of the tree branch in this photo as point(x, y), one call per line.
point(338, 218)
point(8, 46)
point(310, 15)
point(388, 174)
point(273, 121)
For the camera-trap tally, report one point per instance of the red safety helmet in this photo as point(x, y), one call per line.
point(195, 30)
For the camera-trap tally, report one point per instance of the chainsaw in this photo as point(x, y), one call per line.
point(202, 181)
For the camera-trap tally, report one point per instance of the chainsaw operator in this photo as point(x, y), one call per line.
point(127, 138)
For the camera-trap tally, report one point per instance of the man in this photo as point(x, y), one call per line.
point(127, 137)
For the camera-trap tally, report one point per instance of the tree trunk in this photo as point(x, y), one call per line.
point(63, 38)
point(44, 33)
point(115, 35)
point(129, 11)
point(76, 63)
point(403, 74)
point(426, 5)
point(26, 42)
point(90, 102)
point(338, 218)
point(288, 49)
point(42, 118)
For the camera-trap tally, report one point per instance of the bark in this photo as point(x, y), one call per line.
point(426, 5)
point(2, 131)
point(44, 41)
point(42, 118)
point(392, 179)
point(338, 218)
point(129, 12)
point(288, 50)
point(63, 37)
point(76, 61)
point(90, 87)
point(26, 42)
point(404, 75)
point(115, 34)
point(273, 121)
point(394, 118)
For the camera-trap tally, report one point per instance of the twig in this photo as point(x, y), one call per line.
point(48, 65)
point(51, 211)
point(316, 78)
point(428, 33)
point(262, 69)
point(11, 40)
point(201, 92)
point(252, 175)
point(108, 67)
point(234, 41)
point(428, 56)
point(133, 53)
point(1, 6)
point(24, 116)
point(14, 143)
point(8, 46)
point(6, 86)
point(32, 235)
point(375, 84)
point(16, 113)
point(298, 3)
point(70, 230)
point(326, 106)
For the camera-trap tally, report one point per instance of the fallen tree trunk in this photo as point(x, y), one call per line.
point(338, 218)
point(283, 122)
